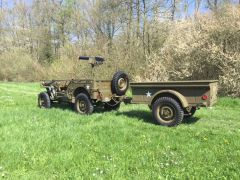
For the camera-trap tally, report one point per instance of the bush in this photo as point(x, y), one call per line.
point(206, 48)
point(19, 66)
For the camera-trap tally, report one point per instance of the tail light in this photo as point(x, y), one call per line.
point(204, 97)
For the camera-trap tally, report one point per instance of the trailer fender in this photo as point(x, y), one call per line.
point(170, 93)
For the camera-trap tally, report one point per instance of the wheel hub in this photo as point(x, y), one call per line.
point(82, 106)
point(122, 83)
point(166, 113)
point(41, 102)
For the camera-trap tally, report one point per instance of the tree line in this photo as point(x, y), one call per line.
point(47, 36)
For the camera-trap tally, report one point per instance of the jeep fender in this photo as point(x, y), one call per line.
point(171, 93)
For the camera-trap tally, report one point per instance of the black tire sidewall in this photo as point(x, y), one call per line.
point(45, 97)
point(85, 98)
point(178, 111)
point(115, 88)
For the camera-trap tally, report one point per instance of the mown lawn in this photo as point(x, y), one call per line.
point(60, 144)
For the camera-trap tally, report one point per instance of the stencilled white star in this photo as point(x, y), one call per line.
point(149, 94)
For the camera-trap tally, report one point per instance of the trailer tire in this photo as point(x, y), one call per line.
point(44, 100)
point(83, 105)
point(167, 112)
point(120, 83)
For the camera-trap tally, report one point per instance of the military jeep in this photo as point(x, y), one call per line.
point(170, 102)
point(86, 94)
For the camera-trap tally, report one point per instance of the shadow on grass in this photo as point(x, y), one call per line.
point(63, 106)
point(70, 107)
point(141, 115)
point(145, 116)
point(191, 120)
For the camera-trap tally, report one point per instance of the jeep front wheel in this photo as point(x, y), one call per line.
point(83, 104)
point(167, 112)
point(44, 100)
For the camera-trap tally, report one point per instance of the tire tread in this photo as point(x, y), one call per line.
point(84, 97)
point(178, 108)
point(114, 83)
point(46, 98)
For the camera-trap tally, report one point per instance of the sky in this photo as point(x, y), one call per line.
point(10, 3)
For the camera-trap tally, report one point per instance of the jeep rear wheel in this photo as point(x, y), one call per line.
point(44, 100)
point(167, 112)
point(83, 104)
point(120, 83)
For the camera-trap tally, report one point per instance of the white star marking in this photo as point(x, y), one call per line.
point(149, 94)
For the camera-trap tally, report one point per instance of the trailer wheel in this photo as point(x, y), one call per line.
point(44, 100)
point(188, 115)
point(83, 104)
point(120, 83)
point(167, 112)
point(112, 106)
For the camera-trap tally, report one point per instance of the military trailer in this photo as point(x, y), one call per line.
point(171, 102)
point(86, 94)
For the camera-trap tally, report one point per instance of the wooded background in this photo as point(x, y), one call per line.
point(152, 40)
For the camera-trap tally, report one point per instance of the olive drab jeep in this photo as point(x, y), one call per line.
point(170, 102)
point(86, 94)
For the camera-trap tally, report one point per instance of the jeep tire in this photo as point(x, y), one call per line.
point(44, 100)
point(83, 105)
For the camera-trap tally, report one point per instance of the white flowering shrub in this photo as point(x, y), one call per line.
point(206, 48)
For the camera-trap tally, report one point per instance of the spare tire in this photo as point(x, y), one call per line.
point(120, 83)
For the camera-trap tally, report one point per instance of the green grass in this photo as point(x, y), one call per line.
point(60, 144)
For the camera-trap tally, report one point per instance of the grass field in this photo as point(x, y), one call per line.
point(60, 144)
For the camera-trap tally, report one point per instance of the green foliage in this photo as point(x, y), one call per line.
point(60, 144)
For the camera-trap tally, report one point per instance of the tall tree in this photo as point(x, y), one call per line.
point(42, 12)
point(1, 4)
point(197, 6)
point(106, 18)
point(212, 4)
point(173, 9)
point(138, 8)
